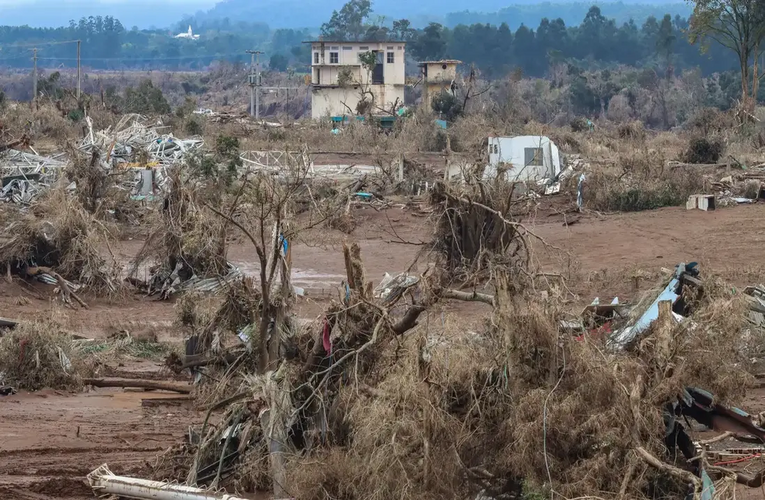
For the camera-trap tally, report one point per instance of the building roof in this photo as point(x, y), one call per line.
point(359, 42)
point(443, 61)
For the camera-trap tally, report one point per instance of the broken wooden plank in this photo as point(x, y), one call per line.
point(168, 401)
point(144, 384)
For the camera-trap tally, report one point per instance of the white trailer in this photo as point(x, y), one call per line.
point(523, 158)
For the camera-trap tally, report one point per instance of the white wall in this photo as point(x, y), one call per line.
point(329, 101)
point(511, 153)
point(348, 55)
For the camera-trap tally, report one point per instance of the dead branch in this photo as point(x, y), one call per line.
point(23, 141)
point(755, 480)
point(468, 296)
point(140, 384)
point(651, 460)
point(66, 291)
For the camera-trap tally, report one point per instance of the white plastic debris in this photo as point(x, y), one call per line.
point(104, 483)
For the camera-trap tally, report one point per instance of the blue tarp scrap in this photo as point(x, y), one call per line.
point(284, 245)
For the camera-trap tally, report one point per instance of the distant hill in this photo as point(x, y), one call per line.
point(312, 13)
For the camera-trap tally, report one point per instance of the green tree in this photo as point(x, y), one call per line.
point(738, 25)
point(402, 30)
point(431, 44)
point(278, 62)
point(446, 105)
point(349, 23)
point(665, 41)
point(146, 98)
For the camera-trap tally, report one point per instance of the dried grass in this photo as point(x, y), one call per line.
point(58, 232)
point(640, 181)
point(39, 354)
point(519, 408)
point(186, 232)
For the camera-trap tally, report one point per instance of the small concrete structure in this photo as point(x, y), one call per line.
point(523, 158)
point(438, 76)
point(704, 202)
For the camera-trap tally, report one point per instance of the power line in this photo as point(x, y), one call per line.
point(13, 45)
point(137, 58)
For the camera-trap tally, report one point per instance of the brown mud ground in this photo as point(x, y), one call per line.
point(50, 440)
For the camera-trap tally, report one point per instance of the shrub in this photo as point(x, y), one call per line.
point(701, 150)
point(447, 106)
point(146, 98)
point(580, 125)
point(193, 127)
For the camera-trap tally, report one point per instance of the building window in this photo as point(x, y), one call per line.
point(390, 58)
point(334, 48)
point(532, 157)
point(333, 58)
point(390, 48)
point(363, 48)
point(347, 48)
point(316, 58)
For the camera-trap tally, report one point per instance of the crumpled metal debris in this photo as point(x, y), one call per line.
point(119, 147)
point(24, 175)
point(683, 273)
point(391, 288)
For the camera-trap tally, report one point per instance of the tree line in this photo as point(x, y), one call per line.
point(495, 50)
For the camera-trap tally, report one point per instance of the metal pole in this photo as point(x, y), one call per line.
point(79, 72)
point(34, 76)
point(257, 84)
point(252, 87)
point(254, 83)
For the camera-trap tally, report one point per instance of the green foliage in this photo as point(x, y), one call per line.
point(193, 127)
point(227, 152)
point(145, 99)
point(348, 24)
point(520, 36)
point(187, 108)
point(447, 106)
point(51, 86)
point(345, 77)
point(76, 115)
point(278, 62)
point(368, 60)
point(2, 99)
point(703, 151)
point(738, 25)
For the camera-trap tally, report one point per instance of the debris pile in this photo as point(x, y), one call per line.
point(25, 175)
point(38, 354)
point(58, 238)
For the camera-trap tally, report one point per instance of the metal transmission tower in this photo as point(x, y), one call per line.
point(255, 80)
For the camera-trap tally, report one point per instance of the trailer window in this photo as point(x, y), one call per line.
point(532, 157)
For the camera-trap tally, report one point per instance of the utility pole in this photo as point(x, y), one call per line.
point(79, 72)
point(254, 81)
point(34, 76)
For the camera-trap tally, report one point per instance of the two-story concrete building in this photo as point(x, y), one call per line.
point(339, 78)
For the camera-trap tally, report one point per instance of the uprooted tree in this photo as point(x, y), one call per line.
point(367, 403)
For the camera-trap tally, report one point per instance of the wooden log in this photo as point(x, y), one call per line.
point(143, 384)
point(169, 401)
